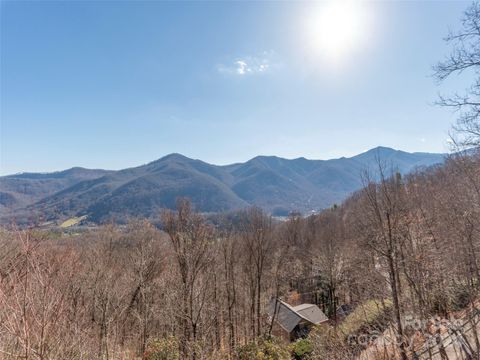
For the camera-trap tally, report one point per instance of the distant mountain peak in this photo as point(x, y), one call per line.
point(170, 157)
point(266, 157)
point(382, 149)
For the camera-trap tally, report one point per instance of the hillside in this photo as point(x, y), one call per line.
point(275, 184)
point(21, 190)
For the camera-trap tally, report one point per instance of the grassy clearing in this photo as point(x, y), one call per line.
point(364, 314)
point(72, 221)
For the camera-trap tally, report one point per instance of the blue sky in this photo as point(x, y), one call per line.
point(113, 84)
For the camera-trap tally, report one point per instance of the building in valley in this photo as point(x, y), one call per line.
point(294, 322)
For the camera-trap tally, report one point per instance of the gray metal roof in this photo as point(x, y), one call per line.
point(311, 312)
point(302, 306)
point(288, 317)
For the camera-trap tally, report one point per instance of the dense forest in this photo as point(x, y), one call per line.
point(402, 253)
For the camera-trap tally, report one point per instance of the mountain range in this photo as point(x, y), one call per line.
point(276, 184)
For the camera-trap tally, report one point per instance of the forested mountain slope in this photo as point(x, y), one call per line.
point(275, 184)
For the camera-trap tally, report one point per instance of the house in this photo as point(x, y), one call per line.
point(293, 322)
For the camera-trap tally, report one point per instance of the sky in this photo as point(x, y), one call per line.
point(115, 84)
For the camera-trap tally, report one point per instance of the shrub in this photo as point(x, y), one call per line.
point(462, 297)
point(263, 349)
point(301, 349)
point(163, 349)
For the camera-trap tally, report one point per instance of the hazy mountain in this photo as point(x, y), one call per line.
point(275, 184)
point(20, 190)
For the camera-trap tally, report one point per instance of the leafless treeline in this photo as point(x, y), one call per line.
point(110, 292)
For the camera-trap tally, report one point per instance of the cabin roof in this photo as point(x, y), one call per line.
point(311, 312)
point(288, 316)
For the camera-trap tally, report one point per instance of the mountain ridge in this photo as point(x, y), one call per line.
point(276, 184)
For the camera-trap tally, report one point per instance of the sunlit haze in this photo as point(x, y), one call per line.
point(336, 30)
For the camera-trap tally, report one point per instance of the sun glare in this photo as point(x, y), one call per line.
point(336, 28)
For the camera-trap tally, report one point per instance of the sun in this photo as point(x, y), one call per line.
point(336, 28)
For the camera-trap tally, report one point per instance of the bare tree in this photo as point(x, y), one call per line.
point(229, 252)
point(383, 217)
point(146, 262)
point(257, 236)
point(330, 253)
point(465, 57)
point(192, 239)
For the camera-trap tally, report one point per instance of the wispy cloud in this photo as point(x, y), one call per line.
point(249, 65)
